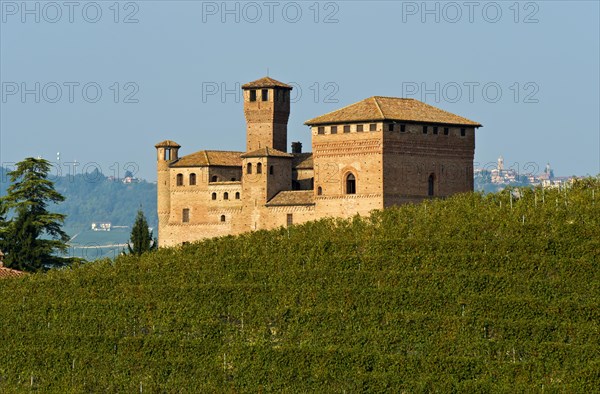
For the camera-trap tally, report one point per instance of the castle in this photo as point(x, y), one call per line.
point(378, 152)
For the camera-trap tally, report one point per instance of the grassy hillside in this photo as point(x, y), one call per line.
point(469, 294)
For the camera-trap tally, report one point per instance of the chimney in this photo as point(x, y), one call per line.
point(296, 147)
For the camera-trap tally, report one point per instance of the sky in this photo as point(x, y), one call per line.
point(102, 82)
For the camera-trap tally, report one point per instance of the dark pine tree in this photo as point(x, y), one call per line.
point(141, 236)
point(33, 237)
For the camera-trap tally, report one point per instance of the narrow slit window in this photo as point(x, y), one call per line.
point(290, 219)
point(259, 168)
point(463, 132)
point(391, 127)
point(446, 130)
point(185, 215)
point(265, 95)
point(225, 196)
point(179, 179)
point(271, 170)
point(424, 129)
point(249, 168)
point(192, 179)
point(253, 95)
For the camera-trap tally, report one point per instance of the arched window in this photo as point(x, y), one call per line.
point(225, 196)
point(319, 191)
point(192, 179)
point(237, 195)
point(222, 218)
point(430, 181)
point(214, 196)
point(259, 168)
point(214, 178)
point(350, 184)
point(249, 168)
point(271, 170)
point(179, 179)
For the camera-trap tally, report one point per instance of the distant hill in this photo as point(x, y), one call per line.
point(475, 293)
point(96, 198)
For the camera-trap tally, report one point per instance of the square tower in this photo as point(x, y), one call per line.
point(267, 110)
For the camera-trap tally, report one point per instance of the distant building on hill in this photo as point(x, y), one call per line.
point(101, 226)
point(378, 152)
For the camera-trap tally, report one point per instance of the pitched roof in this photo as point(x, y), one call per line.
point(10, 273)
point(205, 158)
point(293, 197)
point(302, 161)
point(378, 108)
point(167, 144)
point(266, 151)
point(266, 82)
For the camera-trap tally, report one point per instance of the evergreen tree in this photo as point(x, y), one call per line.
point(34, 235)
point(141, 236)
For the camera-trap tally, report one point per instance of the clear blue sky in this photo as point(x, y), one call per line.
point(543, 56)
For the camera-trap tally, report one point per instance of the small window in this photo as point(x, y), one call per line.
point(214, 178)
point(271, 170)
point(430, 185)
point(463, 132)
point(435, 130)
point(424, 129)
point(333, 129)
point(373, 127)
point(253, 95)
point(259, 168)
point(225, 196)
point(168, 154)
point(446, 131)
point(222, 218)
point(359, 128)
point(319, 191)
point(249, 168)
point(346, 128)
point(402, 128)
point(321, 130)
point(179, 179)
point(391, 127)
point(237, 195)
point(214, 196)
point(185, 215)
point(265, 95)
point(192, 179)
point(350, 184)
point(290, 219)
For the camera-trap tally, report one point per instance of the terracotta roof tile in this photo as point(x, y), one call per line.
point(206, 158)
point(378, 108)
point(302, 161)
point(167, 144)
point(266, 82)
point(10, 273)
point(266, 151)
point(292, 197)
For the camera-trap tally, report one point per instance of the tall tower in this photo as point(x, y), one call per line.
point(166, 153)
point(267, 109)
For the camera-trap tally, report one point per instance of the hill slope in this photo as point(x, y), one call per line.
point(473, 293)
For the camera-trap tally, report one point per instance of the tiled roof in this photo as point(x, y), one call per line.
point(265, 82)
point(292, 197)
point(10, 273)
point(205, 158)
point(167, 144)
point(378, 108)
point(266, 151)
point(302, 161)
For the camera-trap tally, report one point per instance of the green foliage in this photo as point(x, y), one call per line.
point(475, 293)
point(34, 235)
point(141, 236)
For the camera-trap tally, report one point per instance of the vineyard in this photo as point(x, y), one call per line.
point(474, 293)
